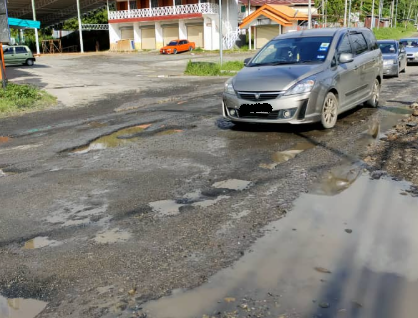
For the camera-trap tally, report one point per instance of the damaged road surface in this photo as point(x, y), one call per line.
point(170, 211)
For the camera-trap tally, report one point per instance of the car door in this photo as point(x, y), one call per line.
point(364, 63)
point(21, 54)
point(402, 55)
point(9, 56)
point(345, 75)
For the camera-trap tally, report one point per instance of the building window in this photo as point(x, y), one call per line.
point(154, 3)
point(132, 5)
point(177, 2)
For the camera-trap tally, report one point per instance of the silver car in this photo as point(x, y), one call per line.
point(394, 57)
point(304, 77)
point(411, 48)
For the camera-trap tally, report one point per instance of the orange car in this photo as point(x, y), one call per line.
point(176, 46)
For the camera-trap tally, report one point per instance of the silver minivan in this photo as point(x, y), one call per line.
point(307, 76)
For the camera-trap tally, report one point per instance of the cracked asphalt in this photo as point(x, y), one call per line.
point(161, 206)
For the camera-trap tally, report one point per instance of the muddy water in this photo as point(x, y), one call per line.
point(351, 254)
point(233, 184)
point(109, 236)
point(20, 308)
point(40, 242)
point(112, 140)
point(282, 156)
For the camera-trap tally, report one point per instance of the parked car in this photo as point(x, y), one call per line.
point(177, 46)
point(394, 57)
point(411, 48)
point(19, 54)
point(307, 76)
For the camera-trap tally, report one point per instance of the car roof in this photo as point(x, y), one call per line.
point(319, 32)
point(384, 41)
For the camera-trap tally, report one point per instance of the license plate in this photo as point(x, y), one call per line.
point(258, 108)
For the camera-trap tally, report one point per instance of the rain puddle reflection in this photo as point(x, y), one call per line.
point(112, 140)
point(283, 156)
point(351, 254)
point(20, 308)
point(39, 242)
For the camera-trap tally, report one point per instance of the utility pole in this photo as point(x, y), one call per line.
point(323, 13)
point(345, 14)
point(379, 14)
point(221, 38)
point(326, 12)
point(372, 21)
point(396, 13)
point(36, 30)
point(309, 15)
point(80, 29)
point(392, 5)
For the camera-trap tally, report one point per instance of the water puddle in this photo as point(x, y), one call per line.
point(118, 138)
point(209, 202)
point(20, 308)
point(350, 254)
point(40, 242)
point(169, 132)
point(112, 236)
point(283, 156)
point(233, 184)
point(166, 207)
point(2, 174)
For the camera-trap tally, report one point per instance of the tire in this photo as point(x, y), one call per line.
point(329, 113)
point(175, 51)
point(190, 49)
point(29, 62)
point(374, 100)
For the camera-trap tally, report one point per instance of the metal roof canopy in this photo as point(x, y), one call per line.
point(23, 24)
point(50, 12)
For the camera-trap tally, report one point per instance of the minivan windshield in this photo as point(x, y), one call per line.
point(387, 47)
point(293, 51)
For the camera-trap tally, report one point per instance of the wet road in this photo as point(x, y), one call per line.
point(103, 212)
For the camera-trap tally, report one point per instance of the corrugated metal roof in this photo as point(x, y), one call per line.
point(50, 12)
point(257, 3)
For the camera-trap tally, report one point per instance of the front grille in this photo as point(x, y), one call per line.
point(271, 115)
point(262, 96)
point(410, 55)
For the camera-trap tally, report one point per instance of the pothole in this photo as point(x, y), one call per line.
point(233, 184)
point(112, 140)
point(20, 307)
point(40, 242)
point(282, 156)
point(112, 236)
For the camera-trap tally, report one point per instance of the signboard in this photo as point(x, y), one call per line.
point(4, 23)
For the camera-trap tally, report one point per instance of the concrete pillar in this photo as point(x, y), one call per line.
point(80, 27)
point(137, 36)
point(207, 34)
point(249, 38)
point(215, 35)
point(158, 35)
point(182, 30)
point(114, 35)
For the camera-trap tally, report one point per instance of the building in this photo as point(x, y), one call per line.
point(151, 24)
point(271, 20)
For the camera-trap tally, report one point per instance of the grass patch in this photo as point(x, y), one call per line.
point(18, 98)
point(395, 33)
point(213, 69)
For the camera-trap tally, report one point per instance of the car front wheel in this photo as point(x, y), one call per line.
point(329, 112)
point(29, 62)
point(374, 99)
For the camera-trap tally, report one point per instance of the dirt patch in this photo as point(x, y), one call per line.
point(397, 152)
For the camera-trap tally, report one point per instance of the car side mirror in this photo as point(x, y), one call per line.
point(346, 58)
point(247, 60)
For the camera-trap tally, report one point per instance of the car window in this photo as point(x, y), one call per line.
point(371, 40)
point(345, 46)
point(293, 50)
point(359, 43)
point(9, 50)
point(183, 42)
point(410, 42)
point(20, 49)
point(387, 47)
point(172, 43)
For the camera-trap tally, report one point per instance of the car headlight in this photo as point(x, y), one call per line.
point(389, 62)
point(229, 88)
point(304, 86)
point(416, 54)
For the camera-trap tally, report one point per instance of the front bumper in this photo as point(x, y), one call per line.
point(391, 69)
point(300, 107)
point(412, 58)
point(166, 52)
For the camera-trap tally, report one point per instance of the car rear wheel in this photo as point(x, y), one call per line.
point(175, 51)
point(374, 100)
point(190, 48)
point(397, 71)
point(329, 112)
point(29, 62)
